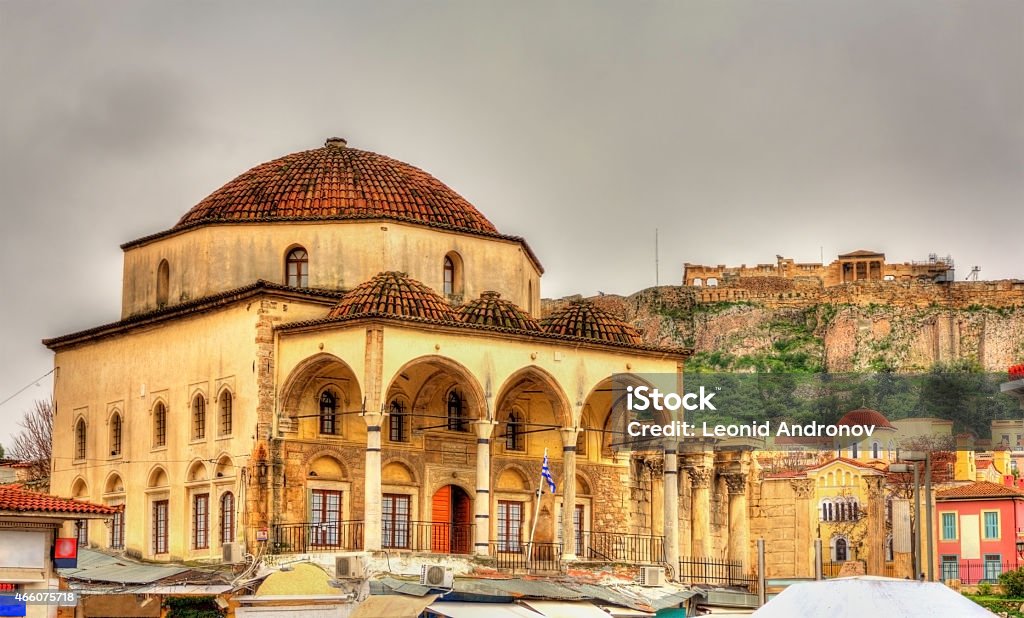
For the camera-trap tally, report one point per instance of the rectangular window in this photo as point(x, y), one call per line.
point(949, 526)
point(510, 526)
point(117, 530)
point(82, 532)
point(398, 423)
point(396, 513)
point(325, 507)
point(201, 521)
point(227, 518)
point(991, 524)
point(950, 567)
point(160, 527)
point(993, 567)
point(225, 414)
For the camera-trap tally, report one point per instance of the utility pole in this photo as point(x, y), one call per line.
point(657, 268)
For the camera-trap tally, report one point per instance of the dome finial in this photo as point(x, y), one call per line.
point(336, 142)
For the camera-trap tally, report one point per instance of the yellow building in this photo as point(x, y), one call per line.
point(337, 351)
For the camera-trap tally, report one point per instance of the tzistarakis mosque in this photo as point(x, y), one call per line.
point(336, 351)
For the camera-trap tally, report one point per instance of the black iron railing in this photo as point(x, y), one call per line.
point(716, 572)
point(511, 556)
point(439, 537)
point(831, 569)
point(316, 536)
point(615, 547)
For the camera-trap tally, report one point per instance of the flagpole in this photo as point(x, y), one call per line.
point(536, 513)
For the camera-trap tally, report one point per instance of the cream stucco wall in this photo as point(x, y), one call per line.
point(342, 254)
point(130, 372)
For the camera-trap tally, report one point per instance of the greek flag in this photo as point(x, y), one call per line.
point(545, 473)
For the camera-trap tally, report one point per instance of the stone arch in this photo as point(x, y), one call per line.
point(79, 488)
point(606, 410)
point(326, 467)
point(436, 381)
point(397, 471)
point(157, 478)
point(225, 466)
point(305, 376)
point(197, 471)
point(583, 485)
point(113, 484)
point(461, 483)
point(512, 477)
point(533, 377)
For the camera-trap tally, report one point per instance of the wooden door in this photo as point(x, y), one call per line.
point(441, 518)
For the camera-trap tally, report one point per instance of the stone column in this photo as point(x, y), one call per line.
point(373, 415)
point(876, 525)
point(569, 493)
point(803, 522)
point(482, 504)
point(672, 509)
point(700, 509)
point(739, 521)
point(372, 494)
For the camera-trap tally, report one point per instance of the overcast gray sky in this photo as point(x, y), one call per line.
point(739, 129)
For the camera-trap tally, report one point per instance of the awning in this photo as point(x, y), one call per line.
point(566, 609)
point(461, 609)
point(392, 606)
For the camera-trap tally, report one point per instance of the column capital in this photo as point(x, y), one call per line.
point(484, 428)
point(736, 482)
point(569, 435)
point(373, 419)
point(700, 477)
point(802, 488)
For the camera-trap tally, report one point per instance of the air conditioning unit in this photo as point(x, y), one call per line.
point(652, 576)
point(233, 553)
point(436, 576)
point(348, 567)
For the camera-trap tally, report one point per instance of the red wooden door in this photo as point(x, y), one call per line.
point(441, 518)
point(462, 522)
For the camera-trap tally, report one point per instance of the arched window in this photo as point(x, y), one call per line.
point(876, 450)
point(888, 549)
point(226, 420)
point(227, 518)
point(854, 510)
point(515, 439)
point(160, 425)
point(854, 450)
point(456, 412)
point(163, 283)
point(115, 434)
point(296, 268)
point(199, 418)
point(449, 276)
point(80, 439)
point(826, 510)
point(328, 413)
point(398, 422)
point(581, 443)
point(452, 275)
point(839, 549)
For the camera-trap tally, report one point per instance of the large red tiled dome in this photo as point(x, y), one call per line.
point(337, 182)
point(393, 294)
point(583, 319)
point(491, 310)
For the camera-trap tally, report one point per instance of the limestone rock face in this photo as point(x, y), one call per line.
point(865, 326)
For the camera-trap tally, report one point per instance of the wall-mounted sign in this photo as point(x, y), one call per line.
point(65, 553)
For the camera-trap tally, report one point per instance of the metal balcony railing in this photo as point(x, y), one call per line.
point(715, 572)
point(316, 536)
point(616, 547)
point(513, 557)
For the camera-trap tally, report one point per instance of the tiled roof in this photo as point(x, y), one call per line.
point(14, 499)
point(491, 310)
point(865, 416)
point(394, 293)
point(337, 182)
point(980, 489)
point(582, 319)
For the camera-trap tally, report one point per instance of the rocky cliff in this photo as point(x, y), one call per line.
point(776, 324)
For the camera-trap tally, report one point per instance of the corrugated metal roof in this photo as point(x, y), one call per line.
point(96, 566)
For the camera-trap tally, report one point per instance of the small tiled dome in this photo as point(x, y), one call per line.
point(396, 294)
point(583, 319)
point(491, 310)
point(865, 416)
point(337, 182)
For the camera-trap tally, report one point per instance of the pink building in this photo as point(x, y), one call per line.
point(977, 530)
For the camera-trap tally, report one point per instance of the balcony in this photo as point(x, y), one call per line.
point(307, 537)
point(429, 536)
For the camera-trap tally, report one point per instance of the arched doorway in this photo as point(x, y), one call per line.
point(451, 527)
